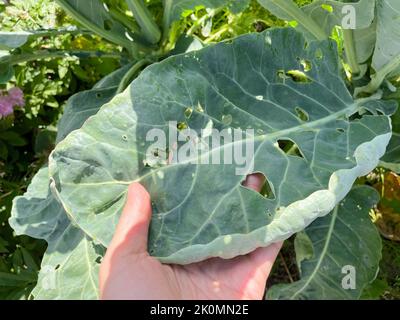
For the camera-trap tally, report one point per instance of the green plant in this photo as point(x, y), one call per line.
point(314, 136)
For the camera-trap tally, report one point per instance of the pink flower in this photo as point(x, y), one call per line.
point(6, 106)
point(16, 95)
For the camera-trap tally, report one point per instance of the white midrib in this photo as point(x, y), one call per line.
point(322, 255)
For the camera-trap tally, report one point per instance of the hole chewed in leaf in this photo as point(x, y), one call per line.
point(327, 7)
point(289, 147)
point(182, 126)
point(188, 112)
point(302, 114)
point(258, 182)
point(108, 25)
point(319, 54)
point(298, 76)
point(307, 66)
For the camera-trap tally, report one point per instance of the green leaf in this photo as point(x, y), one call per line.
point(303, 247)
point(3, 150)
point(69, 268)
point(346, 237)
point(114, 78)
point(364, 13)
point(315, 20)
point(15, 280)
point(145, 20)
point(387, 48)
point(391, 160)
point(201, 211)
point(92, 14)
point(6, 72)
point(318, 19)
point(64, 274)
point(16, 39)
point(44, 141)
point(76, 113)
point(386, 57)
point(365, 39)
point(28, 259)
point(3, 245)
point(12, 138)
point(173, 9)
point(39, 214)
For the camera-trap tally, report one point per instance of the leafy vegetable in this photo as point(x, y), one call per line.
point(93, 15)
point(345, 237)
point(40, 215)
point(387, 48)
point(92, 168)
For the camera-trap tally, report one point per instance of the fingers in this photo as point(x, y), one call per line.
point(255, 181)
point(132, 229)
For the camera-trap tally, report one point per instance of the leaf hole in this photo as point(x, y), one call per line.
point(108, 24)
point(260, 26)
point(341, 130)
point(57, 267)
point(302, 114)
point(319, 54)
point(181, 126)
point(252, 183)
point(289, 147)
point(327, 7)
point(99, 259)
point(188, 112)
point(98, 95)
point(298, 76)
point(307, 66)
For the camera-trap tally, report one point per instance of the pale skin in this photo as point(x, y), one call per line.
point(128, 272)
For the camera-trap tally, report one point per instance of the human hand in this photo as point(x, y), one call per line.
point(129, 272)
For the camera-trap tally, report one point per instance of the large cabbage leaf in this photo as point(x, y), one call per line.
point(201, 211)
point(38, 213)
point(70, 266)
point(344, 239)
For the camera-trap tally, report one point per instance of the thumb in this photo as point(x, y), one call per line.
point(132, 229)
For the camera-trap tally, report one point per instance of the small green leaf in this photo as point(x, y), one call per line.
point(13, 138)
point(303, 247)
